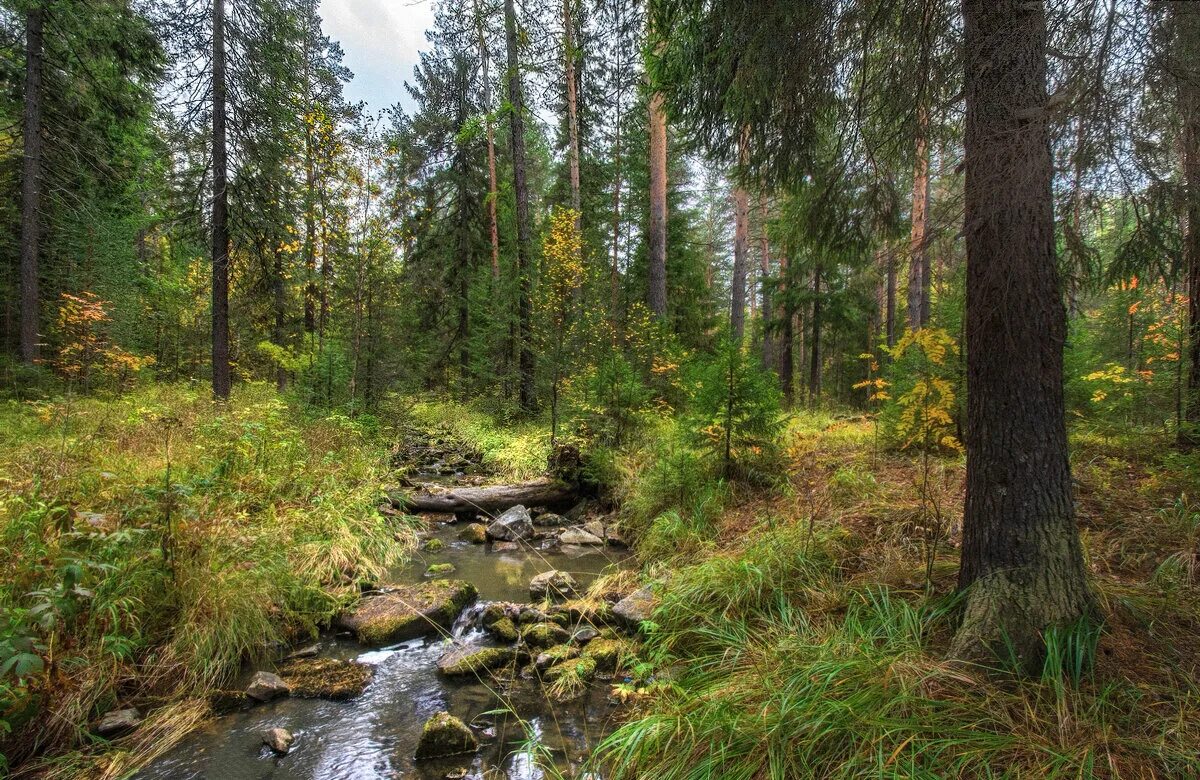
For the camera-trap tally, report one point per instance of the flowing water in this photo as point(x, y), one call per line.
point(375, 735)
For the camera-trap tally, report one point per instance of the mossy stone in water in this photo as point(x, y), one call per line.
point(581, 668)
point(475, 660)
point(607, 653)
point(408, 612)
point(555, 655)
point(439, 569)
point(433, 545)
point(544, 635)
point(327, 678)
point(503, 629)
point(475, 533)
point(445, 735)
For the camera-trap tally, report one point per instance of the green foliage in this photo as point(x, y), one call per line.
point(611, 401)
point(923, 392)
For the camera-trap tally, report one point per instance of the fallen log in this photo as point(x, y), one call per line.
point(544, 492)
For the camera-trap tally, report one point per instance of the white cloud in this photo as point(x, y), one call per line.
point(381, 39)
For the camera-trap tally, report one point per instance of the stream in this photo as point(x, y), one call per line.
point(375, 735)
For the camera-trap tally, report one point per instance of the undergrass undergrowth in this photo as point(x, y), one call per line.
point(514, 449)
point(155, 542)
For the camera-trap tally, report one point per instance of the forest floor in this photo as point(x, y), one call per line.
point(802, 620)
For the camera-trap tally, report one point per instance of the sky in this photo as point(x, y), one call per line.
point(381, 39)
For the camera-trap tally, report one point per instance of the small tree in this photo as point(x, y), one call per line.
point(84, 345)
point(562, 254)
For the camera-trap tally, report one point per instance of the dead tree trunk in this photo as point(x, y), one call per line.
point(1022, 564)
point(495, 498)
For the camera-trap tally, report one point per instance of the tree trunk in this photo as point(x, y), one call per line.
point(786, 337)
point(814, 366)
point(890, 324)
point(1188, 31)
point(279, 301)
point(521, 190)
point(493, 188)
point(221, 380)
point(764, 245)
point(31, 186)
point(658, 207)
point(741, 241)
point(572, 108)
point(918, 267)
point(495, 498)
point(310, 176)
point(1022, 564)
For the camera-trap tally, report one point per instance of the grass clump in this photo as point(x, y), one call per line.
point(153, 543)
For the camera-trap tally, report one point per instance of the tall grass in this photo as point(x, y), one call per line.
point(153, 543)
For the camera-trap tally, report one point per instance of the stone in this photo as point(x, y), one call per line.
point(310, 651)
point(472, 660)
point(581, 668)
point(445, 735)
point(408, 612)
point(530, 614)
point(552, 583)
point(550, 520)
point(545, 635)
point(607, 653)
point(515, 525)
point(279, 740)
point(503, 629)
point(475, 533)
point(433, 545)
point(266, 686)
point(584, 635)
point(613, 536)
point(554, 655)
point(97, 521)
point(506, 547)
point(579, 536)
point(327, 678)
point(439, 569)
point(118, 723)
point(595, 528)
point(636, 607)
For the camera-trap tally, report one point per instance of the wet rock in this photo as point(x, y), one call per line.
point(327, 678)
point(552, 583)
point(445, 735)
point(506, 547)
point(579, 536)
point(550, 520)
point(118, 723)
point(530, 615)
point(408, 612)
point(279, 740)
point(305, 652)
point(475, 533)
point(470, 660)
point(584, 635)
point(555, 655)
point(515, 525)
point(595, 528)
point(503, 629)
point(613, 535)
point(266, 686)
point(636, 607)
point(545, 635)
point(582, 669)
point(433, 545)
point(439, 569)
point(607, 653)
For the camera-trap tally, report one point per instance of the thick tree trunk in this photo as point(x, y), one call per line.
point(495, 498)
point(814, 366)
point(493, 187)
point(516, 100)
point(31, 186)
point(658, 207)
point(741, 241)
point(310, 177)
point(221, 379)
point(572, 108)
point(1187, 20)
point(1022, 564)
point(918, 267)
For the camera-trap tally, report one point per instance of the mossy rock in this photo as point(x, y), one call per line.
point(439, 569)
point(591, 611)
point(469, 660)
point(545, 635)
point(607, 653)
point(503, 629)
point(445, 735)
point(408, 612)
point(326, 678)
point(555, 655)
point(583, 669)
point(433, 545)
point(475, 533)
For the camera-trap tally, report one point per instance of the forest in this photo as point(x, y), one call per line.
point(660, 389)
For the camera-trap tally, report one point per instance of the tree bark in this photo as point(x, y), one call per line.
point(918, 268)
point(786, 337)
point(495, 498)
point(310, 176)
point(657, 238)
point(764, 245)
point(572, 108)
point(279, 302)
point(814, 366)
point(741, 241)
point(1022, 564)
point(221, 379)
point(516, 100)
point(493, 187)
point(890, 323)
point(31, 186)
point(1187, 31)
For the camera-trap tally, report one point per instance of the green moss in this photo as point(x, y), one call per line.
point(607, 653)
point(438, 569)
point(470, 661)
point(445, 735)
point(504, 630)
point(408, 612)
point(433, 545)
point(326, 678)
point(544, 635)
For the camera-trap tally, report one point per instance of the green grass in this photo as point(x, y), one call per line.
point(263, 525)
point(514, 449)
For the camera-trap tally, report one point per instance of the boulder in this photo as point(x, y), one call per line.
point(327, 678)
point(445, 735)
point(503, 629)
point(636, 607)
point(545, 635)
point(266, 686)
point(595, 528)
point(506, 547)
point(439, 569)
point(433, 545)
point(472, 660)
point(550, 520)
point(580, 668)
point(514, 525)
point(584, 635)
point(475, 533)
point(552, 583)
point(607, 653)
point(279, 740)
point(408, 612)
point(579, 536)
point(554, 655)
point(118, 723)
